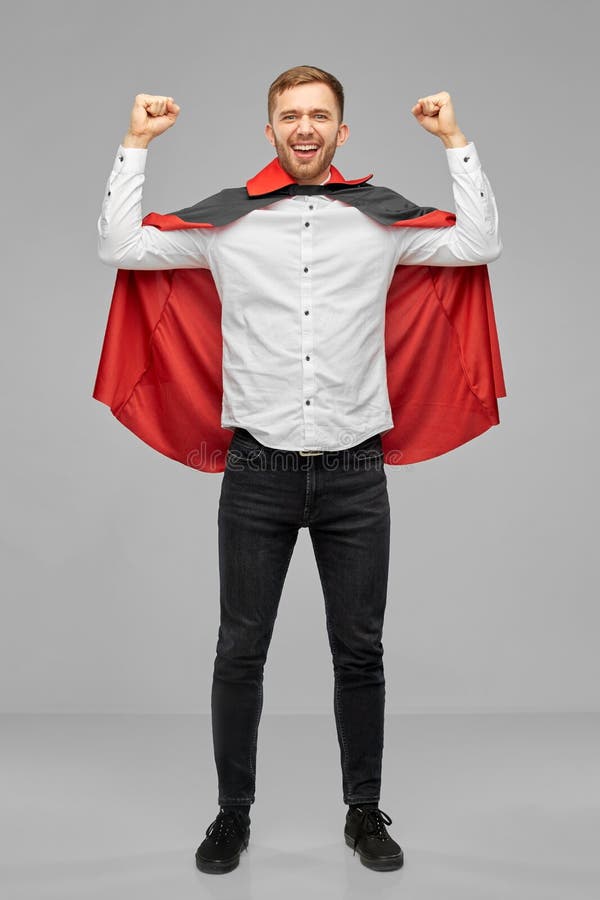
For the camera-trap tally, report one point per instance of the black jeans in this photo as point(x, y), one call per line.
point(267, 494)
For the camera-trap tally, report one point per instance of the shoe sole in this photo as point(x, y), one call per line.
point(380, 865)
point(221, 867)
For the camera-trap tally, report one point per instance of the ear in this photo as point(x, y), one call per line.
point(343, 134)
point(269, 133)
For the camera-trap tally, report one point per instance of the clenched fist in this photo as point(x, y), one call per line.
point(150, 116)
point(436, 114)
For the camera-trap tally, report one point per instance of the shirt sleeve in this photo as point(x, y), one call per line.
point(475, 238)
point(127, 244)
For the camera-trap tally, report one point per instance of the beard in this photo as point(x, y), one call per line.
point(305, 169)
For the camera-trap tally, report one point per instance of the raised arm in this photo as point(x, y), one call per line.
point(122, 240)
point(475, 238)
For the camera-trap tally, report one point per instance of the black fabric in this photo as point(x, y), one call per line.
point(233, 807)
point(379, 203)
point(222, 208)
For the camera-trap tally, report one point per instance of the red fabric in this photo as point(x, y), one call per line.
point(171, 222)
point(274, 176)
point(161, 359)
point(444, 370)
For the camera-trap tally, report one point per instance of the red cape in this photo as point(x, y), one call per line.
point(161, 360)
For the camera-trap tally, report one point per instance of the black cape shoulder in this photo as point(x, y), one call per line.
point(379, 203)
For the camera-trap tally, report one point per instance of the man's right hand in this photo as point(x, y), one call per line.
point(150, 116)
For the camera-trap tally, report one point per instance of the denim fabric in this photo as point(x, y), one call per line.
point(267, 494)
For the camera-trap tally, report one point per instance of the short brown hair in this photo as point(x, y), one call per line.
point(304, 75)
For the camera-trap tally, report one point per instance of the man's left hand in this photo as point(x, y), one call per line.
point(436, 114)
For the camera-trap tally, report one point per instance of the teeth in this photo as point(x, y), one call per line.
point(305, 147)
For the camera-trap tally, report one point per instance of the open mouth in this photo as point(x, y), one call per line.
point(305, 151)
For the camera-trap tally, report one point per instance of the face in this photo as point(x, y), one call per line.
point(306, 131)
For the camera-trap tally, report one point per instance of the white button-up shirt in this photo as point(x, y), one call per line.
point(303, 286)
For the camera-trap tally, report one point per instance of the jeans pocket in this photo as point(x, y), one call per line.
point(243, 453)
point(368, 454)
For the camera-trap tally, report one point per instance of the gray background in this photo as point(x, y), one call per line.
point(110, 597)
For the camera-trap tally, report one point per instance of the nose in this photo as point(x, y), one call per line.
point(305, 125)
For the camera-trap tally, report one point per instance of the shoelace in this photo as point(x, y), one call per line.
point(224, 825)
point(372, 825)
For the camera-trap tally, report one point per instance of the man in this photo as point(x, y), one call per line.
point(302, 277)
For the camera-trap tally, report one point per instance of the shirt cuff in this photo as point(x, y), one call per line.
point(132, 159)
point(463, 159)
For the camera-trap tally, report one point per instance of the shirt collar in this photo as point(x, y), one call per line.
point(273, 177)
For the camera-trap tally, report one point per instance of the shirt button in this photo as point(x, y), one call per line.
point(311, 207)
point(481, 193)
point(109, 193)
point(305, 312)
point(308, 402)
point(307, 224)
point(306, 268)
point(307, 358)
point(466, 159)
point(120, 159)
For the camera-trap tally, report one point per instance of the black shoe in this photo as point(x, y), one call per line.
point(225, 839)
point(365, 831)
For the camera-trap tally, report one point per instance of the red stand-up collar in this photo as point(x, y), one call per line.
point(273, 177)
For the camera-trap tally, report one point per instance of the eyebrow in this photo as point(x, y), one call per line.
point(286, 112)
